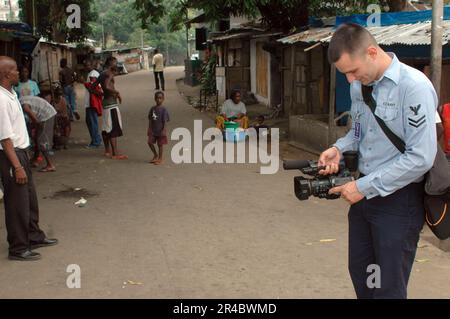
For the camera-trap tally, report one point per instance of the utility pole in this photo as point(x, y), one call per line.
point(103, 35)
point(11, 14)
point(188, 50)
point(30, 14)
point(436, 67)
point(167, 43)
point(436, 45)
point(34, 17)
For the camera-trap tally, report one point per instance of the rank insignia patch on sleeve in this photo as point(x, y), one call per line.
point(417, 123)
point(413, 120)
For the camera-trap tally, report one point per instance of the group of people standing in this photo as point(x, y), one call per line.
point(27, 114)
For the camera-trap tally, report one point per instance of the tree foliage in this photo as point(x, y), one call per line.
point(283, 15)
point(51, 19)
point(122, 24)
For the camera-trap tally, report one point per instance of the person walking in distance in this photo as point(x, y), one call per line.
point(158, 70)
point(20, 199)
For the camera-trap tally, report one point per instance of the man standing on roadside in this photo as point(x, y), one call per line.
point(21, 204)
point(112, 120)
point(91, 110)
point(67, 79)
point(158, 69)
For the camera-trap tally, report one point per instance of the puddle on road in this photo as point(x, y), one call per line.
point(71, 192)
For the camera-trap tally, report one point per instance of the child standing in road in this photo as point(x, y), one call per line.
point(157, 133)
point(63, 126)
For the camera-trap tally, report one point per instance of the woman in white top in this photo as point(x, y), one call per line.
point(233, 110)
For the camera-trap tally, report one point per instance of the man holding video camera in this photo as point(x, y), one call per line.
point(386, 213)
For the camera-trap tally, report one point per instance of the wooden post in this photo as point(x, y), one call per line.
point(291, 101)
point(331, 111)
point(49, 76)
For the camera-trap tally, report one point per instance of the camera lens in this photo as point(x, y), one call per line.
point(302, 188)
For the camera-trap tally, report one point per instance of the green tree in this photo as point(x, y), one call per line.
point(283, 15)
point(121, 22)
point(51, 19)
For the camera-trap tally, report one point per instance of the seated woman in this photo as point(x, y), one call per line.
point(233, 110)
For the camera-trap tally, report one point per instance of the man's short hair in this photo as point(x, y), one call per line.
point(109, 61)
point(44, 93)
point(349, 38)
point(159, 93)
point(156, 51)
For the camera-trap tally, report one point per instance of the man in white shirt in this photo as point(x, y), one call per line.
point(158, 69)
point(20, 199)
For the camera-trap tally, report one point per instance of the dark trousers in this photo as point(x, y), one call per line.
point(92, 124)
point(21, 205)
point(159, 76)
point(384, 231)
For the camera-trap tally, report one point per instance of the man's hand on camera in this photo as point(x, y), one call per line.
point(330, 160)
point(349, 192)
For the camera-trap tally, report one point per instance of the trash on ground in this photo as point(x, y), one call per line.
point(424, 260)
point(81, 202)
point(328, 240)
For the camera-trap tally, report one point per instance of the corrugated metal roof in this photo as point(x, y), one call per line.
point(232, 36)
point(245, 34)
point(407, 34)
point(269, 34)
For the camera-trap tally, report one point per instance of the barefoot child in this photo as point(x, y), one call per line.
point(63, 126)
point(157, 134)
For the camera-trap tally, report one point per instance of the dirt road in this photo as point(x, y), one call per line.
point(189, 230)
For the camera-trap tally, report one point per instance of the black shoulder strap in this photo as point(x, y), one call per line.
point(369, 100)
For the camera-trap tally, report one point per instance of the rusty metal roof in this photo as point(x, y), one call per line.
point(407, 34)
point(232, 36)
point(244, 34)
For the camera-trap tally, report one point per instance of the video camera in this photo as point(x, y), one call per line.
point(319, 185)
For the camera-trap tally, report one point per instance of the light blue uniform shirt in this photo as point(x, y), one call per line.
point(406, 102)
